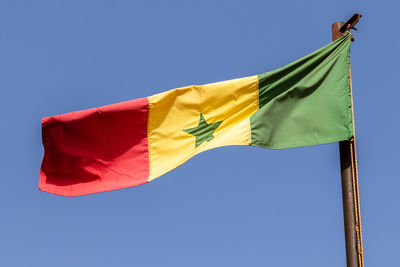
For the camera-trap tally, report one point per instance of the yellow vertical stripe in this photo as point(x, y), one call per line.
point(231, 102)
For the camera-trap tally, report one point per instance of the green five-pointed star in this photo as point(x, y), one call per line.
point(203, 131)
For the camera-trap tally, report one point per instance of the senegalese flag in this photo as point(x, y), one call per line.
point(305, 103)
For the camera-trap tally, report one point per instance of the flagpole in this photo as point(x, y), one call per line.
point(348, 165)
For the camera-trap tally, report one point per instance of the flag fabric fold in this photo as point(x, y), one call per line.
point(305, 103)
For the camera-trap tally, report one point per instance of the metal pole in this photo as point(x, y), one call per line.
point(348, 159)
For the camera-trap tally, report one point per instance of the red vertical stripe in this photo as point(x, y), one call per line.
point(95, 150)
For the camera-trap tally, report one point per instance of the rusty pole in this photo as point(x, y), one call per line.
point(348, 160)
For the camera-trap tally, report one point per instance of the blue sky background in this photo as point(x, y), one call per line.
point(233, 206)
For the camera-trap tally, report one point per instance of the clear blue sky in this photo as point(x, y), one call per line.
point(233, 206)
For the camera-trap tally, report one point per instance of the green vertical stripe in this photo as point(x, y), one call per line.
point(307, 102)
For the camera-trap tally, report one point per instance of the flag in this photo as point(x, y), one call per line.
point(305, 103)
